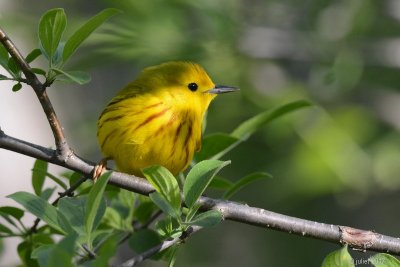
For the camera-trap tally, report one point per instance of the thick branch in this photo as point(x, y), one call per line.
point(63, 149)
point(360, 239)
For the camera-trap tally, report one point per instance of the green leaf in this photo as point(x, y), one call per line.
point(251, 178)
point(220, 183)
point(165, 227)
point(43, 210)
point(79, 77)
point(191, 212)
point(17, 87)
point(384, 260)
point(40, 252)
point(143, 240)
point(34, 54)
point(39, 71)
point(207, 219)
point(43, 172)
point(5, 229)
point(74, 210)
point(9, 219)
point(4, 57)
point(46, 193)
point(143, 211)
point(58, 255)
point(44, 239)
point(164, 204)
point(12, 211)
point(94, 201)
point(3, 77)
point(106, 252)
point(338, 258)
point(25, 251)
point(14, 68)
point(199, 178)
point(51, 28)
point(172, 256)
point(215, 144)
point(245, 129)
point(165, 183)
point(85, 30)
point(38, 175)
point(113, 219)
point(63, 252)
point(73, 177)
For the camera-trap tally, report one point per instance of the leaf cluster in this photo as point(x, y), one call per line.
point(56, 51)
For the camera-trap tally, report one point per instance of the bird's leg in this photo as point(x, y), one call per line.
point(99, 169)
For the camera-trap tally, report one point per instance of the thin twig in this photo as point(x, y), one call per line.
point(161, 247)
point(139, 226)
point(67, 192)
point(231, 210)
point(90, 253)
point(63, 156)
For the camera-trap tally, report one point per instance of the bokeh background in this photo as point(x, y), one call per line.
point(337, 162)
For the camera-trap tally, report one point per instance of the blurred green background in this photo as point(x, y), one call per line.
point(337, 162)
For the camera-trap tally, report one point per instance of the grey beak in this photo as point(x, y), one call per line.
point(222, 89)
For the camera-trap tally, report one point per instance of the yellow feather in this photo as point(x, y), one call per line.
point(157, 118)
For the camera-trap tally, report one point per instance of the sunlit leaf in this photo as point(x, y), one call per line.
point(165, 183)
point(51, 28)
point(199, 177)
point(338, 258)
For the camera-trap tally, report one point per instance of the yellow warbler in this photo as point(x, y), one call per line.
point(157, 118)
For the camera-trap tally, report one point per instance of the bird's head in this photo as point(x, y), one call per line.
point(184, 84)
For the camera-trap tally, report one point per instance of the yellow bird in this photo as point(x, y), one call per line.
point(157, 118)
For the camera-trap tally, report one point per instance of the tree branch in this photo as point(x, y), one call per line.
point(63, 150)
point(356, 238)
point(63, 156)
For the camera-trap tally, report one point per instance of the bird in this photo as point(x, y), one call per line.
point(157, 118)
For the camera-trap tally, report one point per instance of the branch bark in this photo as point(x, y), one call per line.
point(356, 238)
point(63, 156)
point(63, 150)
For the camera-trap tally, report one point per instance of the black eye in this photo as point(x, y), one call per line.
point(193, 86)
